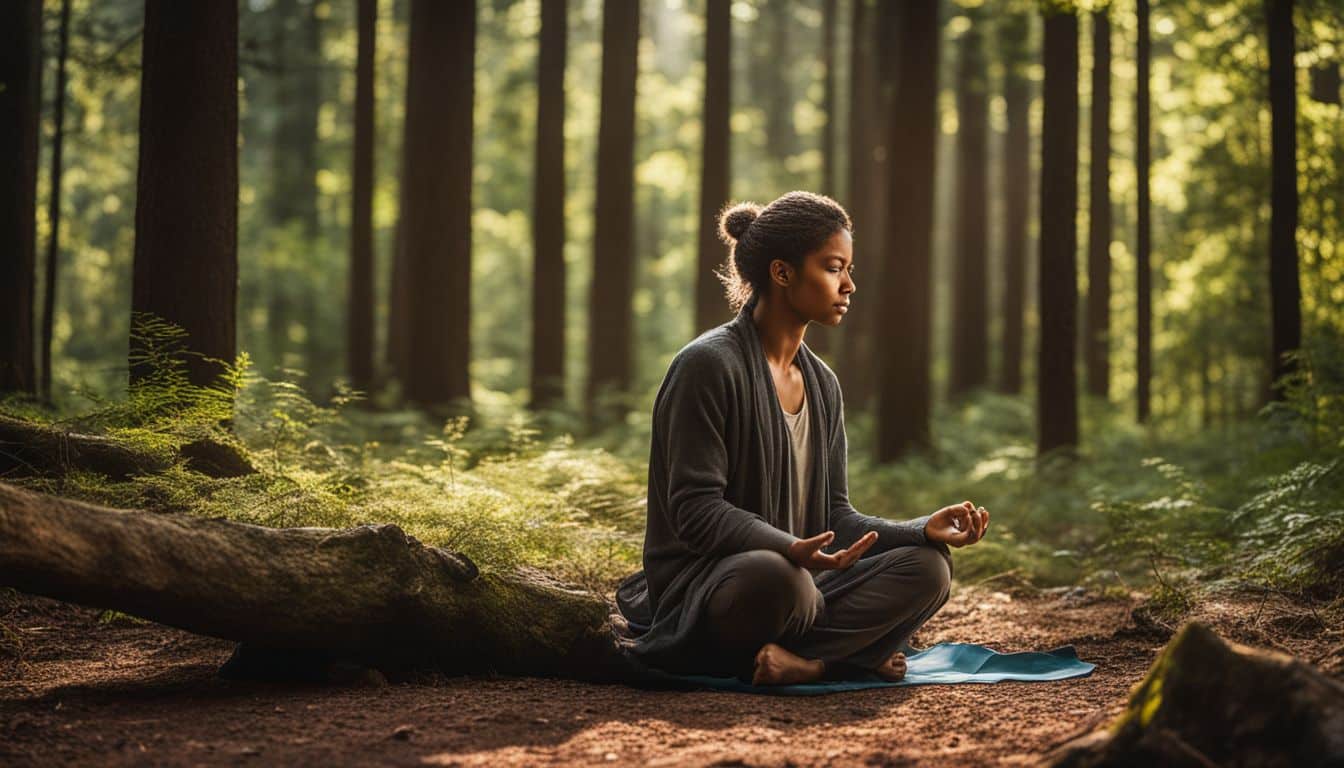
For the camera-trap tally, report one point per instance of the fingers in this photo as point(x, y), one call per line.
point(845, 557)
point(859, 547)
point(815, 543)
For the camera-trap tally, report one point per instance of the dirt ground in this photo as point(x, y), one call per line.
point(126, 693)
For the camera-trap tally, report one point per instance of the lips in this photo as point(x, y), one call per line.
point(843, 306)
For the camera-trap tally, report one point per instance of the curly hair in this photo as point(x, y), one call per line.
point(789, 228)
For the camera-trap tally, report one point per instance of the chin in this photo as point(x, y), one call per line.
point(832, 319)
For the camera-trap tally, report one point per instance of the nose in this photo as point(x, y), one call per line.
point(847, 285)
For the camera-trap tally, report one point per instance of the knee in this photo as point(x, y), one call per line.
point(766, 583)
point(932, 570)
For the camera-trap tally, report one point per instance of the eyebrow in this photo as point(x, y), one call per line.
point(835, 256)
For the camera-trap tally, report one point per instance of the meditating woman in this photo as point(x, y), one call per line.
point(748, 489)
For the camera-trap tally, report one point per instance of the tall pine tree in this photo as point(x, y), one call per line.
point(185, 269)
point(20, 102)
point(610, 314)
point(436, 199)
point(970, 293)
point(902, 345)
point(1057, 395)
point(548, 212)
point(710, 307)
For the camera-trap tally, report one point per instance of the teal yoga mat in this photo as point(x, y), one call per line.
point(942, 663)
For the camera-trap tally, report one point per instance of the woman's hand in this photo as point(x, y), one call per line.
point(957, 525)
point(806, 553)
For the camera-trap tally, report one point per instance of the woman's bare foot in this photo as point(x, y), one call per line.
point(893, 669)
point(776, 666)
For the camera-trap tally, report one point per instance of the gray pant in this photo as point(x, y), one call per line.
point(852, 620)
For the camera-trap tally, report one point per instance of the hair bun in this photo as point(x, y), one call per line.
point(733, 222)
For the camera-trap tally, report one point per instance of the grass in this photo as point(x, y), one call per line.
point(1261, 500)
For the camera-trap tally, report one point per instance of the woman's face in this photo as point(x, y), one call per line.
point(819, 291)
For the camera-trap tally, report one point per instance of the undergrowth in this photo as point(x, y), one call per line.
point(1260, 501)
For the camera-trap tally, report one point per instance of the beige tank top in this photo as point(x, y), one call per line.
point(802, 464)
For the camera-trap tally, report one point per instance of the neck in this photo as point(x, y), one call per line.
point(780, 330)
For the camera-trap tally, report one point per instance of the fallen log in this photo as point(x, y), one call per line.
point(1210, 702)
point(28, 449)
point(370, 596)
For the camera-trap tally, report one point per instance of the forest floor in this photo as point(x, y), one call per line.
point(130, 693)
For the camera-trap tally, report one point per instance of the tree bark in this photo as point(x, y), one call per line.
point(20, 107)
point(1015, 30)
point(370, 595)
point(610, 313)
point(1057, 396)
point(437, 197)
point(35, 450)
point(710, 307)
point(1284, 289)
point(902, 346)
point(54, 205)
point(186, 214)
point(1188, 711)
point(1143, 223)
point(1097, 336)
point(359, 309)
point(830, 185)
point(770, 80)
point(820, 340)
point(970, 294)
point(865, 113)
point(298, 53)
point(548, 212)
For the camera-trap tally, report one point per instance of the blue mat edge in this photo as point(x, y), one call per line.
point(732, 684)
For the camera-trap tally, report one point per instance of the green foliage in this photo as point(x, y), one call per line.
point(492, 487)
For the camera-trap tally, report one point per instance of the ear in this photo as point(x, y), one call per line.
point(781, 272)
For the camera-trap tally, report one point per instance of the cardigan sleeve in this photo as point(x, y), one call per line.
point(693, 411)
point(848, 523)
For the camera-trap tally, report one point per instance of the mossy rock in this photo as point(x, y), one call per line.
point(1207, 701)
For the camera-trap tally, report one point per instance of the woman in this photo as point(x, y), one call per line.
point(747, 484)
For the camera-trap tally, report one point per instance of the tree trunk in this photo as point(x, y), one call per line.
point(970, 293)
point(830, 185)
point(1098, 334)
point(1188, 711)
point(770, 80)
point(1057, 396)
point(359, 311)
point(35, 450)
point(865, 112)
point(1284, 290)
point(437, 197)
point(1015, 30)
point(710, 307)
point(610, 313)
point(370, 595)
point(186, 213)
point(298, 52)
point(1143, 223)
point(548, 212)
point(54, 205)
point(1325, 82)
point(903, 344)
point(20, 107)
point(397, 298)
point(820, 340)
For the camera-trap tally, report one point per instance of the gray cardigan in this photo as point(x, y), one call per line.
point(720, 470)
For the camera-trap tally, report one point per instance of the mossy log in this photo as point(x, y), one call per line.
point(369, 596)
point(28, 449)
point(1211, 702)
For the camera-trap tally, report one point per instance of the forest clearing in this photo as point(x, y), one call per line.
point(125, 693)
point(582, 382)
